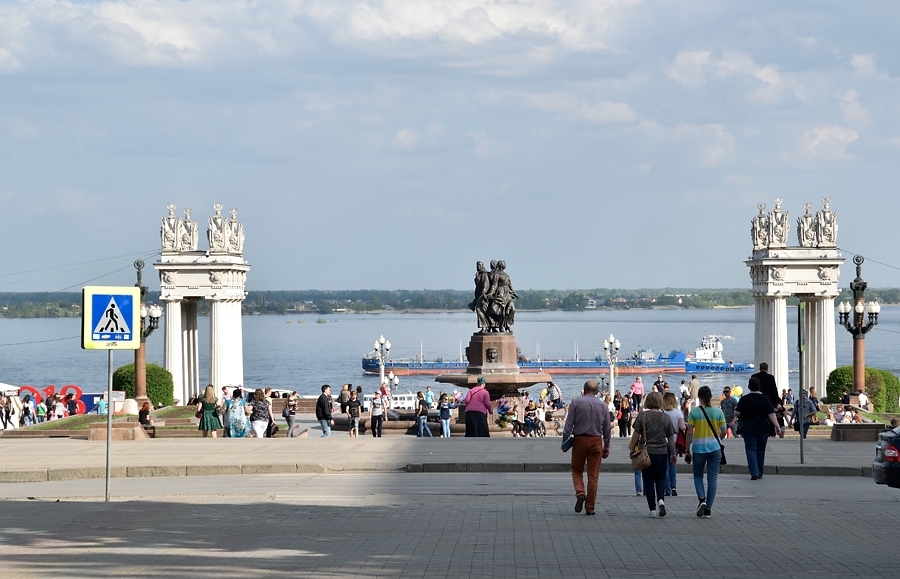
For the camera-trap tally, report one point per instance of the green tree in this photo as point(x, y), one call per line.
point(160, 387)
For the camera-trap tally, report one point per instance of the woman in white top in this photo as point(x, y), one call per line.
point(670, 407)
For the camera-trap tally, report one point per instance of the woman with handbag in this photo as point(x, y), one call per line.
point(654, 436)
point(705, 427)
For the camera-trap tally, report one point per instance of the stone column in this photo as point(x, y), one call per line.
point(771, 343)
point(237, 344)
point(819, 359)
point(172, 348)
point(218, 343)
point(189, 337)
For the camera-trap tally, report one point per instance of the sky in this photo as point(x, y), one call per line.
point(392, 144)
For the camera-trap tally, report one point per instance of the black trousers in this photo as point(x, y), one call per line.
point(655, 479)
point(377, 426)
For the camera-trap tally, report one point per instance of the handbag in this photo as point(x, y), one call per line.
point(640, 458)
point(716, 434)
point(567, 443)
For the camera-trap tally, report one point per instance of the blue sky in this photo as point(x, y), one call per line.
point(391, 144)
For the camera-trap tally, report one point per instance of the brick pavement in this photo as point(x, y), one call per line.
point(366, 525)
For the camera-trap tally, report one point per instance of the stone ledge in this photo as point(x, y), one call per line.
point(55, 474)
point(156, 471)
point(269, 469)
point(213, 470)
point(34, 475)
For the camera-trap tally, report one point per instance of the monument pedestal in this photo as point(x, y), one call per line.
point(493, 356)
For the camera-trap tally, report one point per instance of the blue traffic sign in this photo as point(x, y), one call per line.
point(111, 318)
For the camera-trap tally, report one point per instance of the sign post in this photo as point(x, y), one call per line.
point(110, 320)
point(801, 349)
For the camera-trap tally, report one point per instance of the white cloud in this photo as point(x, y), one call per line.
point(714, 141)
point(645, 167)
point(864, 63)
point(405, 138)
point(694, 68)
point(852, 110)
point(483, 144)
point(827, 142)
point(8, 61)
point(578, 108)
point(202, 32)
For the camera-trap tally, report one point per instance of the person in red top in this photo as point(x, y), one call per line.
point(588, 422)
point(478, 406)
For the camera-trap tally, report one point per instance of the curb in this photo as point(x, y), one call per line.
point(790, 470)
point(62, 474)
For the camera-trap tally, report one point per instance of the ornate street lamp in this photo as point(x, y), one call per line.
point(611, 347)
point(149, 322)
point(393, 381)
point(859, 328)
point(382, 349)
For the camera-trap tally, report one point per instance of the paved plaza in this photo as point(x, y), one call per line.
point(406, 507)
point(394, 524)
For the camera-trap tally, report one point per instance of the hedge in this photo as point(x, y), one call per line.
point(882, 387)
point(160, 387)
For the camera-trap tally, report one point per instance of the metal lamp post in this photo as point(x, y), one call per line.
point(393, 381)
point(611, 348)
point(859, 327)
point(149, 322)
point(382, 349)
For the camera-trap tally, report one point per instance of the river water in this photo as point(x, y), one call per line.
point(297, 353)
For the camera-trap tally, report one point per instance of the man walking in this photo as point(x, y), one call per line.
point(728, 404)
point(769, 389)
point(695, 391)
point(588, 421)
point(323, 411)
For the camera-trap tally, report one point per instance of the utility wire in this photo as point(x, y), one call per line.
point(102, 276)
point(40, 341)
point(76, 269)
point(70, 264)
point(870, 259)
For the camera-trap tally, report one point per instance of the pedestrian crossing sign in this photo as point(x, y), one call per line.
point(110, 318)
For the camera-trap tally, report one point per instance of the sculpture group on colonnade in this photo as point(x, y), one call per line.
point(224, 235)
point(770, 231)
point(494, 303)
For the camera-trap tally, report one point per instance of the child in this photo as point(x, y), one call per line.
point(353, 406)
point(445, 406)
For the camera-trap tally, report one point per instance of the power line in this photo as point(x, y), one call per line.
point(40, 341)
point(145, 255)
point(870, 259)
point(102, 276)
point(70, 264)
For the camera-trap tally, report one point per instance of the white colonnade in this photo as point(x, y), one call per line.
point(809, 272)
point(187, 276)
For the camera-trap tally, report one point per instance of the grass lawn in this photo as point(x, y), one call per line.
point(175, 412)
point(80, 422)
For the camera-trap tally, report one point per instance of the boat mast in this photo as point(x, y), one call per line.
point(576, 350)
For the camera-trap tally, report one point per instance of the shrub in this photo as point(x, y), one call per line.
point(160, 388)
point(882, 387)
point(840, 379)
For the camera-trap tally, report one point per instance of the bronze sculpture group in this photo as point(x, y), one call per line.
point(494, 302)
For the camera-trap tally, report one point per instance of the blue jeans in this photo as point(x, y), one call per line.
point(755, 447)
point(326, 427)
point(423, 428)
point(711, 461)
point(805, 428)
point(670, 479)
point(445, 427)
point(655, 479)
point(638, 482)
point(529, 423)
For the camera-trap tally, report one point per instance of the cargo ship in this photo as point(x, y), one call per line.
point(643, 361)
point(707, 359)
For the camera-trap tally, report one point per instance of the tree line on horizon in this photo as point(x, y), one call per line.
point(68, 304)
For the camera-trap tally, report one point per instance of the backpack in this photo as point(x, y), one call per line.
point(285, 412)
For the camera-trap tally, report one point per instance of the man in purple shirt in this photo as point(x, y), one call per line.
point(588, 421)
